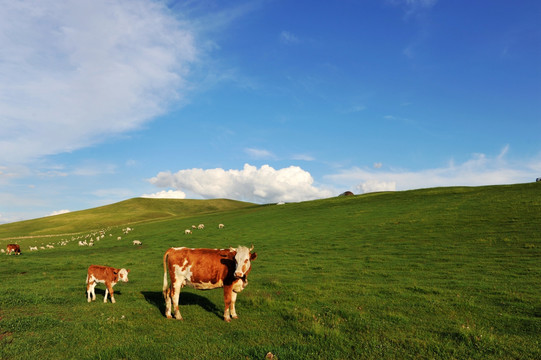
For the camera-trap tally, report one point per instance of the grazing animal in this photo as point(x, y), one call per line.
point(221, 226)
point(137, 242)
point(33, 248)
point(201, 226)
point(106, 275)
point(14, 248)
point(187, 231)
point(206, 269)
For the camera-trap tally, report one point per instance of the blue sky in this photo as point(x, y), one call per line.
point(262, 101)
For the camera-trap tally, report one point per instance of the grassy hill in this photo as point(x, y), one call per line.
point(123, 213)
point(445, 273)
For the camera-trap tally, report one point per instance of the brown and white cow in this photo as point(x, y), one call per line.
point(14, 248)
point(206, 269)
point(106, 275)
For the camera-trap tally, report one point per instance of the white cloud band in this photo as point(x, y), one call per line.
point(262, 185)
point(75, 72)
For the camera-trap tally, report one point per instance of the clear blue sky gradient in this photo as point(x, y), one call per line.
point(101, 101)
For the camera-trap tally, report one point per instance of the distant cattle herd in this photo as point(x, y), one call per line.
point(198, 268)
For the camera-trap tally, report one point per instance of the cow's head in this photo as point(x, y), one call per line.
point(123, 275)
point(243, 259)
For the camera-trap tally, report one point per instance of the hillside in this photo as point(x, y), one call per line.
point(443, 273)
point(122, 213)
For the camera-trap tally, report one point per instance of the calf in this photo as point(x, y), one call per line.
point(107, 275)
point(14, 248)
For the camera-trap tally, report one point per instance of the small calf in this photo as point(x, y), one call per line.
point(107, 275)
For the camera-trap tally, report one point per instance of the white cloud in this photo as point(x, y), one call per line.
point(75, 72)
point(477, 171)
point(260, 153)
point(262, 185)
point(59, 212)
point(166, 194)
point(288, 38)
point(376, 186)
point(303, 157)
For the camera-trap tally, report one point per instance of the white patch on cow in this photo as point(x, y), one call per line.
point(179, 248)
point(239, 285)
point(122, 275)
point(206, 285)
point(183, 275)
point(243, 261)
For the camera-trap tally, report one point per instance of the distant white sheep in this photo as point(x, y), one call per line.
point(33, 248)
point(221, 226)
point(201, 226)
point(137, 242)
point(187, 231)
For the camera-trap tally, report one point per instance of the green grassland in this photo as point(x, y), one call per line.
point(444, 273)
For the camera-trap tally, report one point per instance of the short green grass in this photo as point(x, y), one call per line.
point(447, 273)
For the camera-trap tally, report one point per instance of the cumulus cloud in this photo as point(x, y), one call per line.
point(166, 194)
point(59, 212)
point(479, 170)
point(262, 185)
point(75, 72)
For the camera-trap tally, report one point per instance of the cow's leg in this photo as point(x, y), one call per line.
point(176, 286)
point(91, 295)
point(110, 288)
point(167, 297)
point(228, 291)
point(233, 300)
point(106, 293)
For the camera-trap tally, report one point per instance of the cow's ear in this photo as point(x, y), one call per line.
point(253, 256)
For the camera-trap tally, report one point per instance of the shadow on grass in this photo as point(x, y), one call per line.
point(186, 298)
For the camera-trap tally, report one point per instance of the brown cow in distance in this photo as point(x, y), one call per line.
point(206, 269)
point(106, 275)
point(14, 248)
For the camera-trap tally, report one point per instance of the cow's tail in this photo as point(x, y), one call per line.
point(165, 275)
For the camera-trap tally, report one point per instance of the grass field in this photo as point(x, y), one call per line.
point(445, 273)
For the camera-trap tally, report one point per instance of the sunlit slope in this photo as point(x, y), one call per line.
point(121, 213)
point(442, 273)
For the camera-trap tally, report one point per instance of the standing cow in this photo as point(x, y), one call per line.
point(14, 248)
point(206, 269)
point(105, 275)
